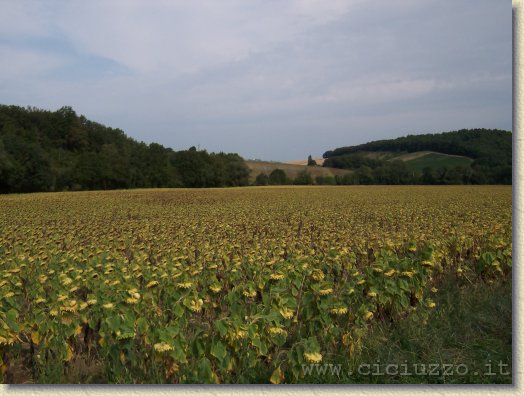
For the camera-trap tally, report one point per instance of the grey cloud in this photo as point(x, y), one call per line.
point(281, 80)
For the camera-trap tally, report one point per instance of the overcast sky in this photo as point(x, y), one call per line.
point(269, 79)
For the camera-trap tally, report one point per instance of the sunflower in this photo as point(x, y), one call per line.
point(287, 313)
point(325, 292)
point(215, 288)
point(152, 284)
point(249, 293)
point(339, 311)
point(318, 275)
point(196, 305)
point(313, 357)
point(277, 330)
point(389, 273)
point(162, 347)
point(430, 303)
point(184, 285)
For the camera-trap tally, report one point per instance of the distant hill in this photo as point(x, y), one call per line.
point(416, 160)
point(468, 156)
point(474, 143)
point(43, 150)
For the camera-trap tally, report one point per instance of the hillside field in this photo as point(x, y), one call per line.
point(418, 160)
point(318, 160)
point(292, 170)
point(257, 285)
point(436, 161)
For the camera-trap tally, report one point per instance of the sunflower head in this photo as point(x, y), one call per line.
point(162, 347)
point(313, 357)
point(326, 291)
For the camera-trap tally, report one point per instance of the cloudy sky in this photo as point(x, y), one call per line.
point(270, 79)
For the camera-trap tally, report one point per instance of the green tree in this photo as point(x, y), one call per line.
point(277, 177)
point(6, 166)
point(364, 175)
point(262, 179)
point(311, 161)
point(236, 173)
point(195, 168)
point(398, 172)
point(303, 178)
point(428, 176)
point(454, 175)
point(325, 180)
point(347, 179)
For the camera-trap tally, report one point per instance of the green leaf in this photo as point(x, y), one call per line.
point(11, 317)
point(278, 339)
point(113, 322)
point(178, 352)
point(219, 351)
point(197, 348)
point(298, 283)
point(141, 325)
point(221, 326)
point(173, 330)
point(251, 331)
point(404, 301)
point(205, 371)
point(178, 310)
point(272, 316)
point(403, 284)
point(312, 344)
point(261, 345)
point(277, 377)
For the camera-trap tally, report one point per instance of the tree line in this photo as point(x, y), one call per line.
point(396, 173)
point(42, 150)
point(58, 151)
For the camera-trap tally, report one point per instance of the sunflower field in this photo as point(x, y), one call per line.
point(237, 285)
